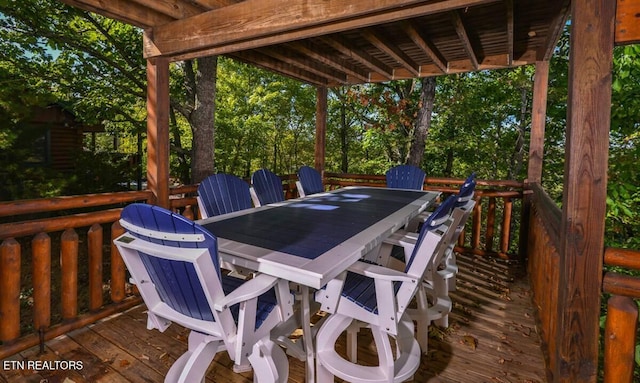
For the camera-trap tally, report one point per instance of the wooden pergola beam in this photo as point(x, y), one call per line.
point(427, 47)
point(255, 23)
point(392, 51)
point(317, 55)
point(363, 57)
point(123, 10)
point(464, 38)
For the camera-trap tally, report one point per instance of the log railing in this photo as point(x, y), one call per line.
point(44, 234)
point(74, 275)
point(620, 333)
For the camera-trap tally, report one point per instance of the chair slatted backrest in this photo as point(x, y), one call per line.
point(174, 273)
point(268, 186)
point(467, 190)
point(433, 222)
point(310, 180)
point(223, 193)
point(405, 177)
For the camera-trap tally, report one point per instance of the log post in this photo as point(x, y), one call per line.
point(69, 267)
point(95, 237)
point(9, 290)
point(118, 275)
point(620, 339)
point(41, 279)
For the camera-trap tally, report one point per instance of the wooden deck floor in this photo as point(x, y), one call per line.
point(492, 338)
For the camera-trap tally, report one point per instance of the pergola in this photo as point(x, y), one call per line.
point(339, 42)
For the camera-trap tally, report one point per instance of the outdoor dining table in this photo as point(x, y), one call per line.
point(309, 241)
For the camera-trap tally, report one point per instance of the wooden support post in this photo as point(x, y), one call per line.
point(321, 128)
point(585, 191)
point(158, 130)
point(536, 149)
point(620, 339)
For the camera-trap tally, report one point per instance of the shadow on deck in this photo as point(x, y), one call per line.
point(492, 338)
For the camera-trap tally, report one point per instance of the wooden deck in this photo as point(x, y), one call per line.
point(492, 339)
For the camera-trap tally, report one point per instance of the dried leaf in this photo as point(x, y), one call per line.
point(470, 341)
point(124, 363)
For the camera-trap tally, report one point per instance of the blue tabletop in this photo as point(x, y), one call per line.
point(310, 227)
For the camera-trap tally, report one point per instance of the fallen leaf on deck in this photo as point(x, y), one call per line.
point(124, 363)
point(470, 341)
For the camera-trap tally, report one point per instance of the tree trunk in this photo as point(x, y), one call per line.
point(202, 119)
point(423, 122)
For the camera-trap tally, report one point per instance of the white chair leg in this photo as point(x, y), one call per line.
point(269, 362)
point(192, 365)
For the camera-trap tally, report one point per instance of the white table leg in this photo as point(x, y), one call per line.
point(307, 336)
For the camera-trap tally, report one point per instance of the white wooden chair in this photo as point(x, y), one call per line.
point(377, 297)
point(174, 264)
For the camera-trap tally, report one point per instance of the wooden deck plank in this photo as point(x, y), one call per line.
point(492, 338)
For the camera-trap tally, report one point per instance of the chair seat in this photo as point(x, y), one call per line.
point(266, 302)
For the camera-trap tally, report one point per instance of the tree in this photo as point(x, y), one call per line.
point(94, 65)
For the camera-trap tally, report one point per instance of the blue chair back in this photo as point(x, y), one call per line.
point(223, 193)
point(268, 186)
point(435, 219)
point(405, 177)
point(311, 180)
point(176, 281)
point(467, 189)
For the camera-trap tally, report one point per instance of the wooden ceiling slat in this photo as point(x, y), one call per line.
point(464, 38)
point(123, 10)
point(391, 50)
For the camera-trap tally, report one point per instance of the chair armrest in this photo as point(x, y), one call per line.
point(379, 272)
point(253, 288)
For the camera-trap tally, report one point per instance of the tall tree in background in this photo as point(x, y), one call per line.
point(423, 121)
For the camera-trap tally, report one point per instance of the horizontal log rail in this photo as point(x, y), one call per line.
point(622, 314)
point(72, 236)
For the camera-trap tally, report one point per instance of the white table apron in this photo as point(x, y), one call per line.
point(269, 258)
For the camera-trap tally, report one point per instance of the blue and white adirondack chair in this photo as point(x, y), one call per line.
point(309, 181)
point(405, 177)
point(266, 187)
point(174, 264)
point(378, 297)
point(223, 193)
